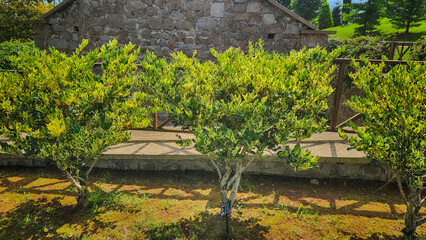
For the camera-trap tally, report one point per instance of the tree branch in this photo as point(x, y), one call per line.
point(421, 221)
point(95, 160)
point(237, 172)
point(72, 180)
point(217, 167)
point(401, 190)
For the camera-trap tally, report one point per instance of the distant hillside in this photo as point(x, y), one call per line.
point(385, 28)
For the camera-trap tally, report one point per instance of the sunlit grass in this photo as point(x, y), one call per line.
point(385, 28)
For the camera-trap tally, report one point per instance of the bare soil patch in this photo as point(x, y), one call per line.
point(39, 204)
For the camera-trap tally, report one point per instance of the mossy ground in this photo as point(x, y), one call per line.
point(39, 204)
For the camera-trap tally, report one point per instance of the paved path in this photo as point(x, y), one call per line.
point(327, 145)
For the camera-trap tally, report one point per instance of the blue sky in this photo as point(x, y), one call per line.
point(333, 2)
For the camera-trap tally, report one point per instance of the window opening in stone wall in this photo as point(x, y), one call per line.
point(271, 36)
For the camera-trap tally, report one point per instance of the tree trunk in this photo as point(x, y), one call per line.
point(412, 213)
point(407, 27)
point(83, 193)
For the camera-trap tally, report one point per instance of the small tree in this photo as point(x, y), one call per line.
point(367, 14)
point(324, 19)
point(15, 17)
point(308, 9)
point(394, 128)
point(406, 13)
point(244, 104)
point(336, 13)
point(57, 108)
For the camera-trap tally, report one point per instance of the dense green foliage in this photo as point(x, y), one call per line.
point(336, 14)
point(16, 17)
point(57, 108)
point(325, 19)
point(418, 53)
point(367, 15)
point(308, 9)
point(346, 9)
point(285, 3)
point(394, 127)
point(244, 104)
point(406, 13)
point(371, 47)
point(12, 48)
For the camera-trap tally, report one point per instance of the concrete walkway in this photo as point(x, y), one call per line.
point(158, 151)
point(327, 145)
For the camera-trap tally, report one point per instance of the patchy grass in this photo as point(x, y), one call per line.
point(385, 28)
point(39, 204)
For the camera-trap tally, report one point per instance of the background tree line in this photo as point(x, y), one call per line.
point(403, 14)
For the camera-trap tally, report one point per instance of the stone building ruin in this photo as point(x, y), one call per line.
point(167, 26)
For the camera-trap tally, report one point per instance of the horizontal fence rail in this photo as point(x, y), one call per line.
point(344, 63)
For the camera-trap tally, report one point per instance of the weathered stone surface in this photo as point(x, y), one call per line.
point(269, 19)
point(254, 7)
point(206, 23)
point(57, 43)
point(217, 10)
point(175, 25)
point(292, 28)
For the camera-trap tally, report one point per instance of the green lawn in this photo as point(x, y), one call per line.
point(385, 28)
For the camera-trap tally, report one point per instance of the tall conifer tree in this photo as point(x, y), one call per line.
point(406, 13)
point(337, 16)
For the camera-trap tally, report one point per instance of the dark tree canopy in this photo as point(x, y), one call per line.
point(308, 9)
point(337, 16)
point(325, 20)
point(285, 3)
point(15, 17)
point(406, 13)
point(367, 15)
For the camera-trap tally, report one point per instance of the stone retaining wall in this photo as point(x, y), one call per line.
point(167, 26)
point(345, 168)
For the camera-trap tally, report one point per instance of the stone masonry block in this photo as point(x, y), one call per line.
point(269, 19)
point(254, 7)
point(217, 10)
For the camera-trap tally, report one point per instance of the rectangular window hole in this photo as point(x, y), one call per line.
point(271, 36)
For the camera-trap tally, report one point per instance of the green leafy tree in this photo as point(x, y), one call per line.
point(367, 15)
point(308, 9)
point(285, 3)
point(394, 128)
point(324, 19)
point(16, 17)
point(336, 13)
point(406, 13)
point(244, 104)
point(346, 9)
point(58, 109)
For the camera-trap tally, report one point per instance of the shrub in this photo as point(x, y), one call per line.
point(57, 108)
point(418, 53)
point(244, 104)
point(12, 48)
point(367, 46)
point(394, 127)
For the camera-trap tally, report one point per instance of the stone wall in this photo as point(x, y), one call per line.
point(167, 26)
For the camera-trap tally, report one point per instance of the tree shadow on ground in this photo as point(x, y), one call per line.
point(41, 218)
point(208, 226)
